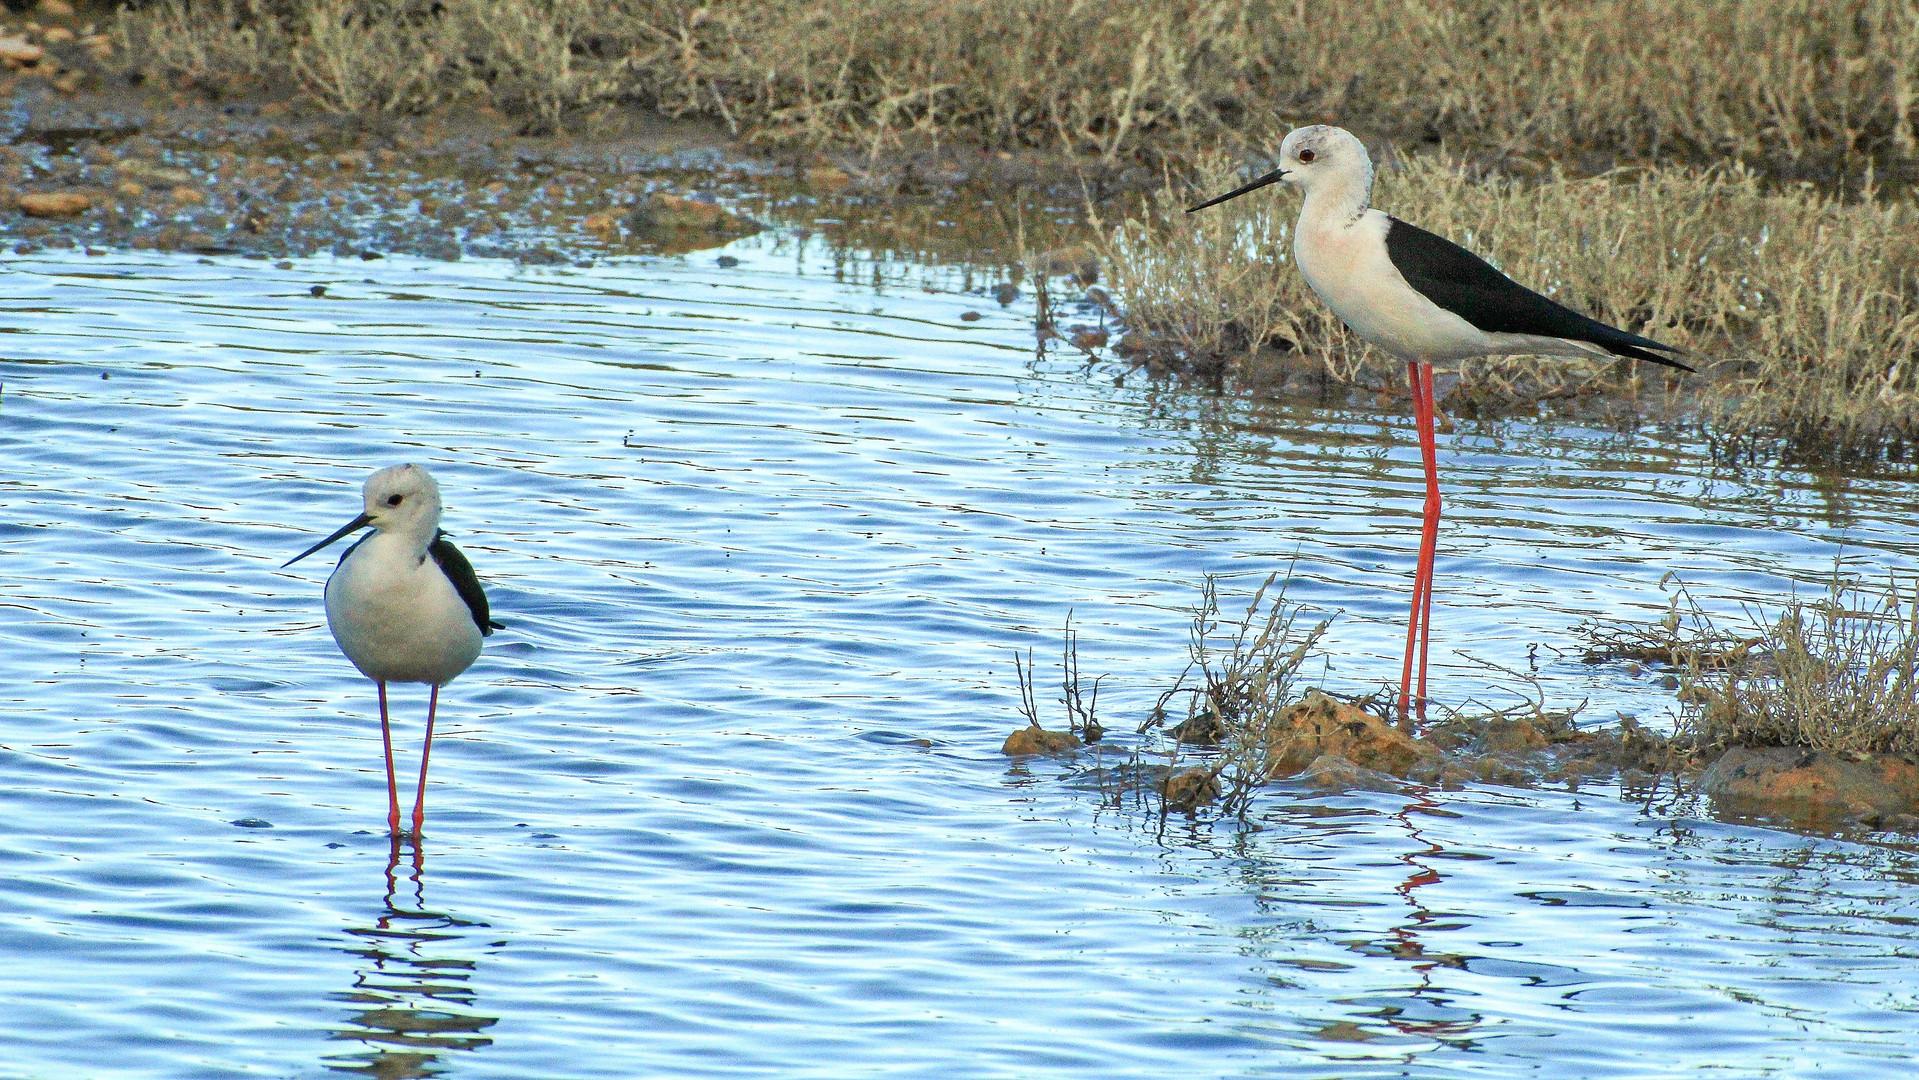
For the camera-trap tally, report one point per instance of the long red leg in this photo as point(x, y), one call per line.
point(1429, 538)
point(1419, 619)
point(392, 788)
point(1419, 581)
point(419, 799)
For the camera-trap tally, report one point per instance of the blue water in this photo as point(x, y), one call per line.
point(725, 799)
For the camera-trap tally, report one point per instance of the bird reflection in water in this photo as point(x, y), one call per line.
point(1427, 1011)
point(415, 998)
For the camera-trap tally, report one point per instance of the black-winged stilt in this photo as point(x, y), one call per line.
point(404, 604)
point(1423, 299)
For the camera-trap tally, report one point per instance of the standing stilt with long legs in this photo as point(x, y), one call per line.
point(405, 606)
point(1421, 298)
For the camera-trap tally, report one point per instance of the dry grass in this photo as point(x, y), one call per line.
point(1822, 83)
point(1836, 673)
point(1238, 681)
point(1802, 310)
point(1833, 674)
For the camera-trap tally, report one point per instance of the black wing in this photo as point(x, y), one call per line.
point(1469, 287)
point(465, 582)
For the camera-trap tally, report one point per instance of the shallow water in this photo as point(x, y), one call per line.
point(725, 799)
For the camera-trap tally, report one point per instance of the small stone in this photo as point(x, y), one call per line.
point(827, 177)
point(604, 223)
point(253, 823)
point(130, 189)
point(970, 316)
point(1200, 729)
point(54, 204)
point(1036, 740)
point(1669, 682)
point(1088, 340)
point(1005, 293)
point(187, 196)
point(1076, 260)
point(1508, 736)
point(1189, 790)
point(54, 35)
point(18, 52)
point(317, 290)
point(727, 261)
point(55, 9)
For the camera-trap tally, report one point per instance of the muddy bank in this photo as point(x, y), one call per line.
point(105, 165)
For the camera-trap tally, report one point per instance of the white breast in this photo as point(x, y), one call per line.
point(1346, 264)
point(397, 617)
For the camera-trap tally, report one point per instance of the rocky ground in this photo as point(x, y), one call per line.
point(1325, 744)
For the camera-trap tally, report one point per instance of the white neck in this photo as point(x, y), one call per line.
point(1338, 198)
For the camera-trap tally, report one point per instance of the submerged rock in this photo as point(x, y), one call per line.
point(670, 213)
point(1798, 782)
point(1033, 739)
point(1200, 729)
point(1334, 773)
point(1189, 790)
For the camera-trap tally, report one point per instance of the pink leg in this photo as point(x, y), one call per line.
point(1418, 621)
point(419, 799)
point(1429, 538)
point(392, 788)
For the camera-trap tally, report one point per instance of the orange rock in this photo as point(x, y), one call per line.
point(54, 203)
point(1077, 260)
point(603, 223)
point(131, 190)
point(185, 195)
point(672, 213)
point(1319, 725)
point(53, 35)
point(1036, 740)
point(56, 9)
point(1797, 781)
point(1505, 736)
point(827, 178)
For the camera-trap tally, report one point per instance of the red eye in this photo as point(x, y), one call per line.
point(1307, 155)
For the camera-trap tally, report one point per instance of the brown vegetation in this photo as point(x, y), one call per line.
point(1838, 674)
point(1820, 83)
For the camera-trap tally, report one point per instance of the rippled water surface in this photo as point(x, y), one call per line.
point(725, 799)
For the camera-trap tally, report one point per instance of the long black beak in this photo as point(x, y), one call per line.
point(360, 522)
point(1270, 178)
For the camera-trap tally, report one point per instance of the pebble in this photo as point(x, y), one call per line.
point(54, 203)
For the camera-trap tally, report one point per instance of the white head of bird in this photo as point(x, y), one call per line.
point(1328, 164)
point(404, 604)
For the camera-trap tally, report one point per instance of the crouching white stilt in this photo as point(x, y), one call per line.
point(404, 605)
point(1423, 299)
